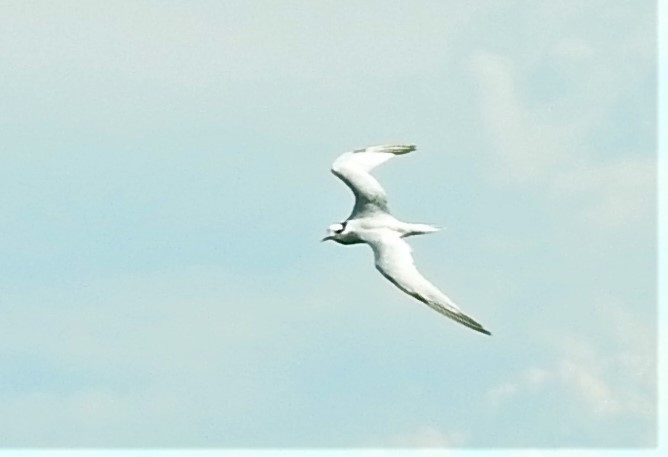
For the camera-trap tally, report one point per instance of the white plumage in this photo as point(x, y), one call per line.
point(371, 222)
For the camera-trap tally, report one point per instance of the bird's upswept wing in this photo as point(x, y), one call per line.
point(395, 261)
point(353, 169)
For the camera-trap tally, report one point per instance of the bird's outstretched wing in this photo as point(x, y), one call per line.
point(395, 261)
point(353, 168)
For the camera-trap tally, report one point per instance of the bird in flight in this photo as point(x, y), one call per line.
point(371, 222)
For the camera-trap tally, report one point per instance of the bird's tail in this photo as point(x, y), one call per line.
point(421, 229)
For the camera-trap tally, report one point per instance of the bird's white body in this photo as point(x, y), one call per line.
point(372, 223)
point(365, 229)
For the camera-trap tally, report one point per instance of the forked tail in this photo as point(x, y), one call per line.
point(421, 229)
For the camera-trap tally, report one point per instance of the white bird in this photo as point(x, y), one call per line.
point(371, 223)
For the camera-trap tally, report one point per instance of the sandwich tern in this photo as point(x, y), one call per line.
point(372, 223)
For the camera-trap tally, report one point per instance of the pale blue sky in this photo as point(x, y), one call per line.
point(165, 183)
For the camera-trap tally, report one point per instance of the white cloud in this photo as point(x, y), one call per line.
point(545, 108)
point(615, 193)
point(147, 360)
point(199, 46)
point(531, 378)
point(503, 392)
point(588, 382)
point(535, 149)
point(600, 380)
point(524, 149)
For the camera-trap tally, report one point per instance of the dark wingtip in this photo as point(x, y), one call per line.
point(474, 325)
point(397, 149)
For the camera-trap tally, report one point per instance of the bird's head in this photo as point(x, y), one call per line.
point(336, 232)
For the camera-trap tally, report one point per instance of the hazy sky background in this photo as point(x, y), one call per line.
point(165, 182)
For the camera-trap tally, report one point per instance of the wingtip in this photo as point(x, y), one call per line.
point(472, 324)
point(401, 148)
point(396, 149)
point(479, 328)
